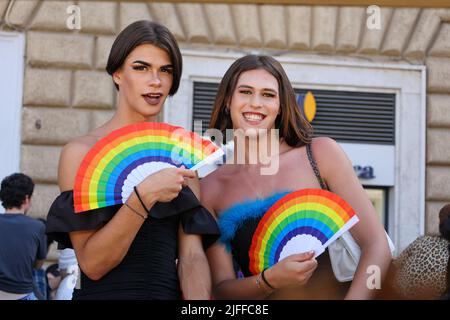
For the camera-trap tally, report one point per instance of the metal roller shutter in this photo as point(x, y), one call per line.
point(360, 117)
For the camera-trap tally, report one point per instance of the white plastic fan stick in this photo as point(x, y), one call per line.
point(301, 243)
point(212, 159)
point(134, 180)
point(347, 226)
point(139, 174)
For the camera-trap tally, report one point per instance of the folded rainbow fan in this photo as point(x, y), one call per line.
point(125, 157)
point(302, 221)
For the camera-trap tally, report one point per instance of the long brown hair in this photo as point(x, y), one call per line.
point(294, 128)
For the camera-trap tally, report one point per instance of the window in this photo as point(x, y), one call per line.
point(360, 117)
point(12, 46)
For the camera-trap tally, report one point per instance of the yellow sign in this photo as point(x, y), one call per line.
point(309, 106)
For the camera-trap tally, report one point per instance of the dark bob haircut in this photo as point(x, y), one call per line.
point(146, 32)
point(14, 189)
point(293, 126)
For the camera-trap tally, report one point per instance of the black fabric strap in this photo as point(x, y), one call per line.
point(314, 167)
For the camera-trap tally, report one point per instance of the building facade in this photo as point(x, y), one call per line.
point(54, 87)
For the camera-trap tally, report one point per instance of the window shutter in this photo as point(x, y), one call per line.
point(346, 116)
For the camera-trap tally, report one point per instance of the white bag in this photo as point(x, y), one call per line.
point(344, 255)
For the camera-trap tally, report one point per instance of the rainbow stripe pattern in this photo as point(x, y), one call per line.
point(301, 221)
point(125, 157)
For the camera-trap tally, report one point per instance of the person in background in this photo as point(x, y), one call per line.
point(422, 270)
point(68, 268)
point(23, 243)
point(39, 274)
point(62, 276)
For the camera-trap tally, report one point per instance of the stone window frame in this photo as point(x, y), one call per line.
point(408, 81)
point(11, 91)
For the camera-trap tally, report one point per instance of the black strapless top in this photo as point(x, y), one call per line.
point(148, 270)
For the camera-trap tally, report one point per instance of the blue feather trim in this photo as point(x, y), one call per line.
point(234, 217)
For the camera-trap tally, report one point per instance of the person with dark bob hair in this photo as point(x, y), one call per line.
point(256, 97)
point(148, 248)
point(142, 32)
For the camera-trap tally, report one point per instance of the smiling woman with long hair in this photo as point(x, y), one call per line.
point(255, 95)
point(127, 251)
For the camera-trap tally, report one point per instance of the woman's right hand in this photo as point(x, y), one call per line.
point(293, 271)
point(164, 185)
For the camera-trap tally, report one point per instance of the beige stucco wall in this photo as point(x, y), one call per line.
point(67, 92)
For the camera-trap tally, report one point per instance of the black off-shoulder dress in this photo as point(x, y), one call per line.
point(148, 270)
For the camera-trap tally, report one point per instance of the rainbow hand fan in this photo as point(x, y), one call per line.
point(125, 157)
point(302, 221)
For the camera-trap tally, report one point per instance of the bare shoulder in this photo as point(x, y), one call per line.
point(324, 148)
point(328, 154)
point(324, 144)
point(71, 157)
